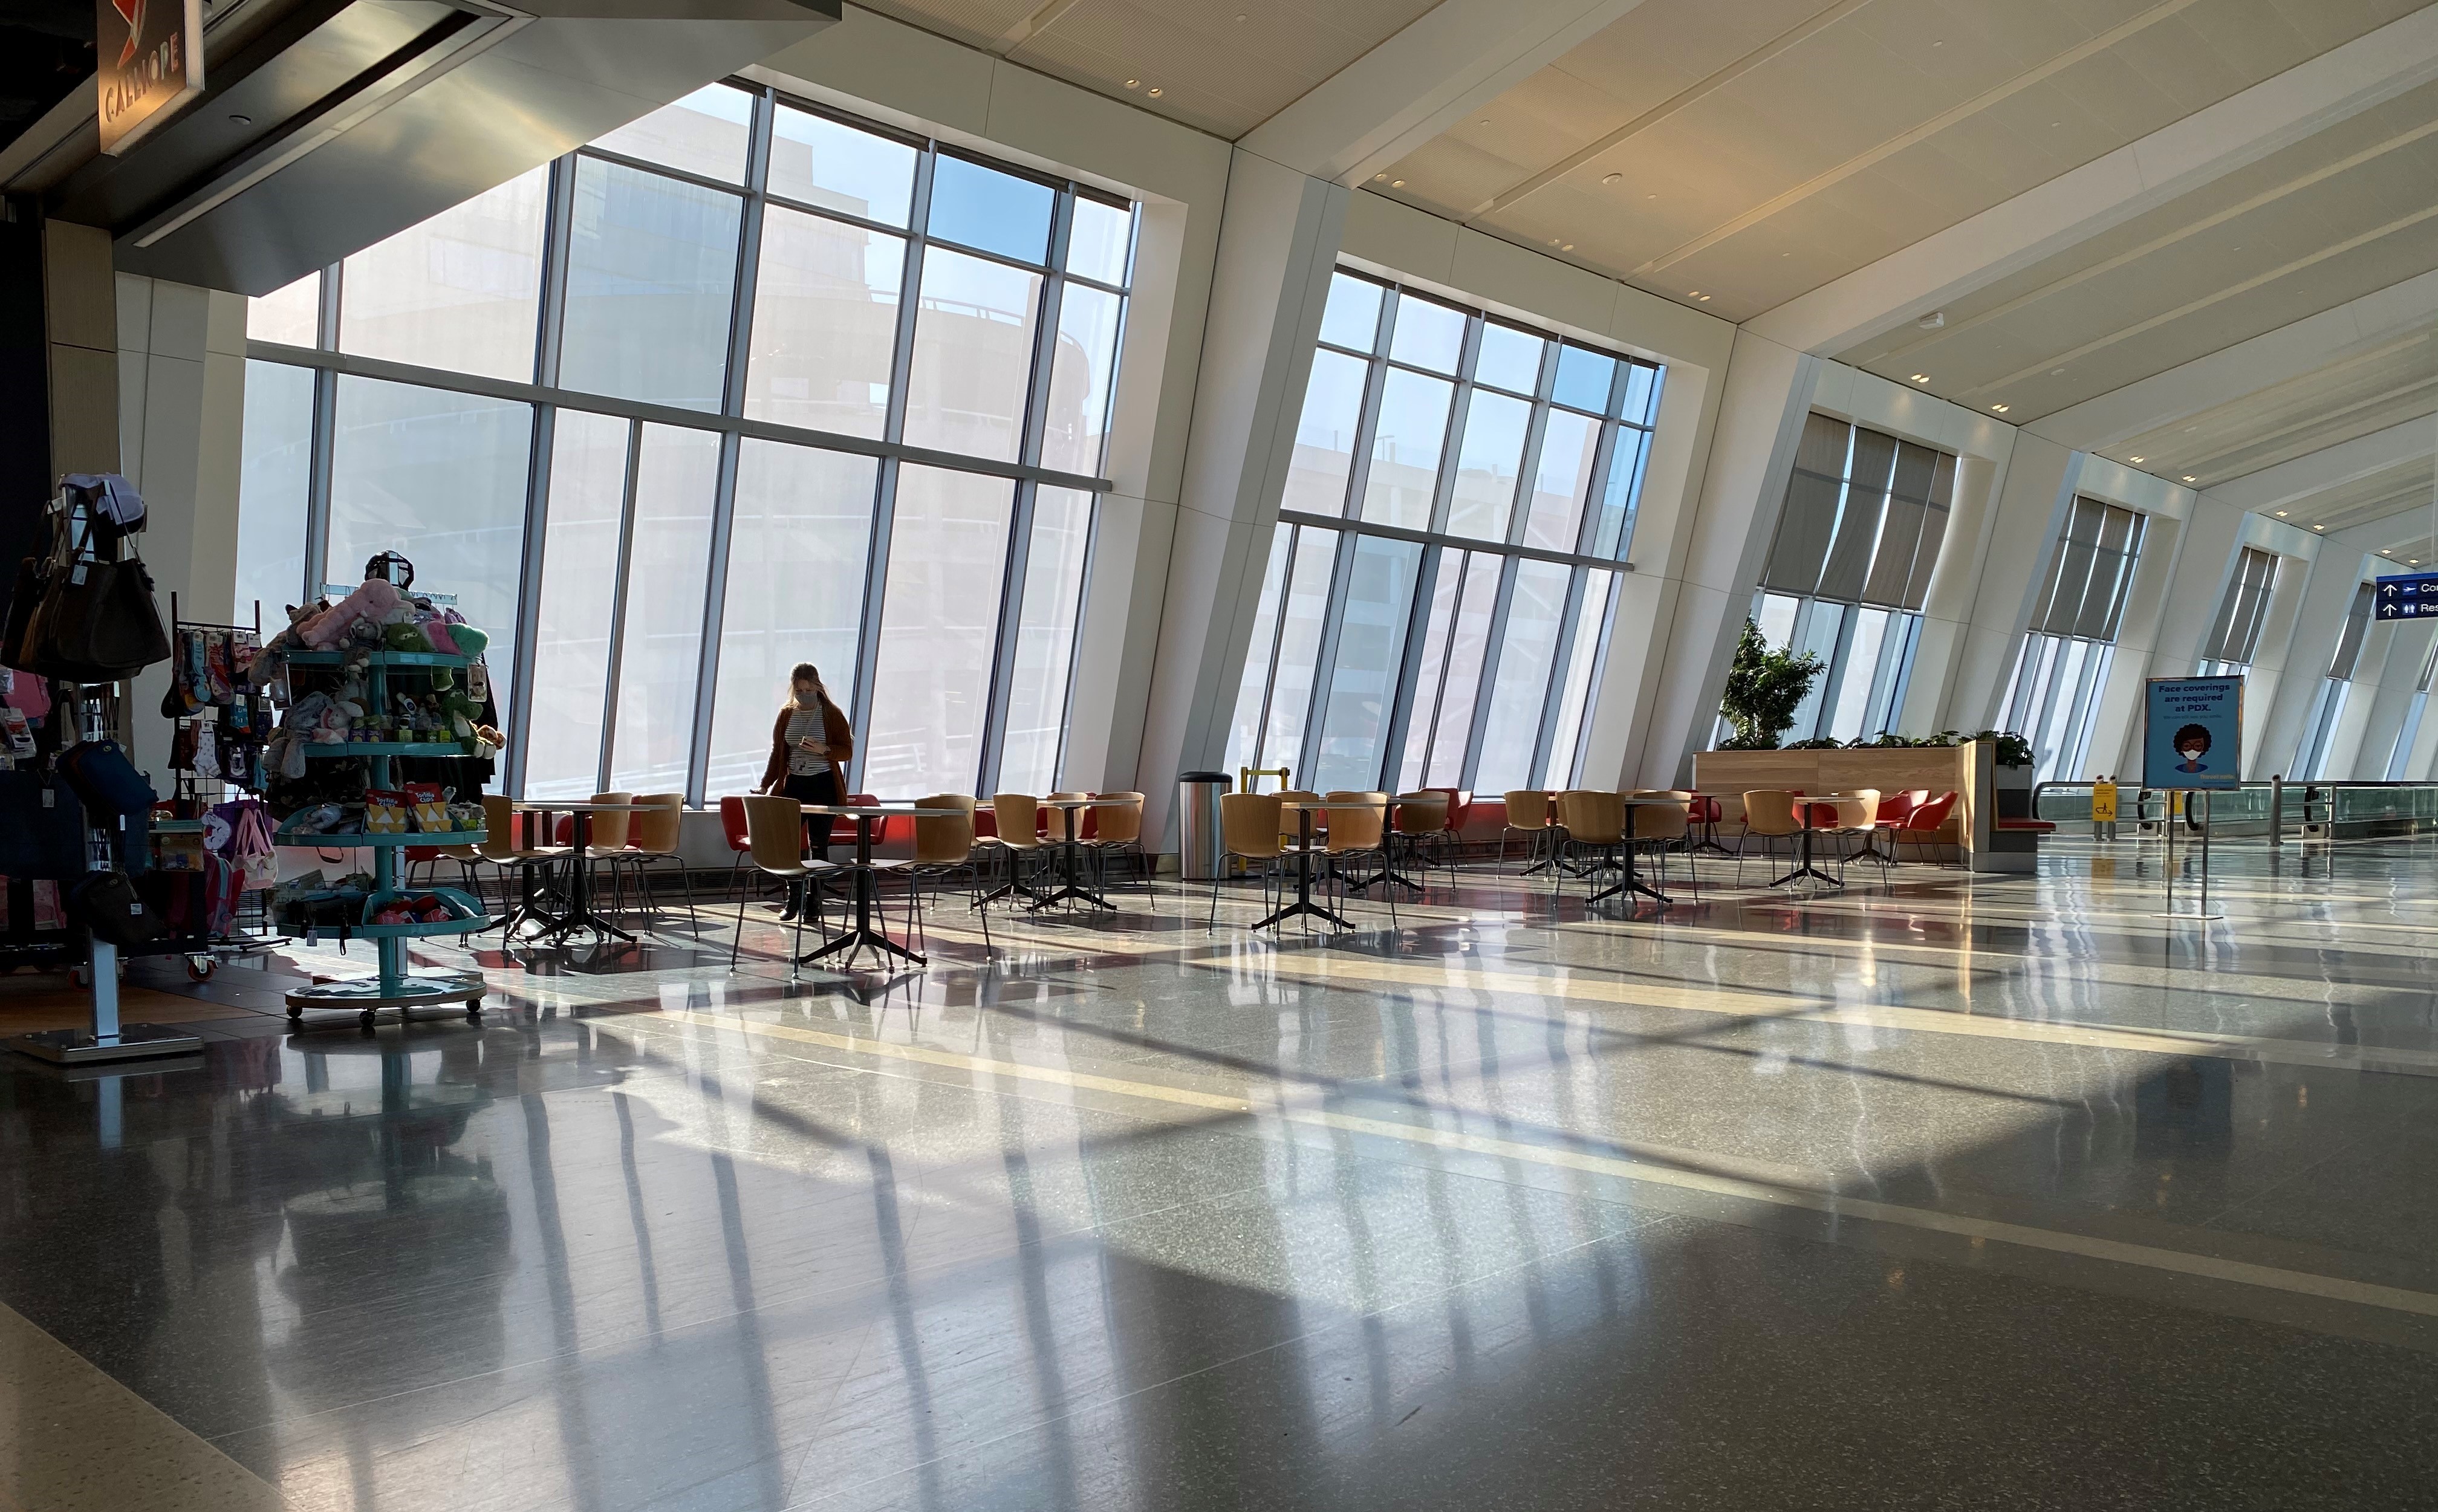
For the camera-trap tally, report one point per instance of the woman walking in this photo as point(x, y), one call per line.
point(809, 749)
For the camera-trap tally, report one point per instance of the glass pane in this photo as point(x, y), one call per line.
point(1569, 447)
point(1510, 359)
point(1522, 676)
point(973, 357)
point(796, 559)
point(1466, 650)
point(1371, 650)
point(651, 263)
point(458, 292)
point(702, 133)
point(1405, 450)
point(1861, 662)
point(1641, 388)
point(1080, 377)
point(1353, 316)
point(1620, 496)
point(1574, 699)
point(822, 163)
point(1817, 634)
point(1315, 552)
point(1324, 449)
point(660, 651)
point(1242, 750)
point(441, 478)
point(1428, 335)
point(291, 315)
point(825, 324)
point(1099, 241)
point(275, 485)
point(995, 212)
point(947, 554)
point(1045, 641)
point(1777, 618)
point(579, 585)
point(1583, 378)
point(1437, 626)
point(1488, 465)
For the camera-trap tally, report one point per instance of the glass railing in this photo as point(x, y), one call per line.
point(2352, 810)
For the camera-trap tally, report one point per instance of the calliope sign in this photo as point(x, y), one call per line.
point(150, 58)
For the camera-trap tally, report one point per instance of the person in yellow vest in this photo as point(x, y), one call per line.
point(2103, 809)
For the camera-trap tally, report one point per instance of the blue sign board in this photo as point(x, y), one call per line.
point(2193, 733)
point(2407, 596)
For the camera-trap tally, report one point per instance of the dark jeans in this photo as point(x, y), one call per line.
point(822, 788)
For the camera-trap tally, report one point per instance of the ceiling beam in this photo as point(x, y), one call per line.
point(2109, 190)
point(1454, 57)
point(2248, 367)
point(2290, 483)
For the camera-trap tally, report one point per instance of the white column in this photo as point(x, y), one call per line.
point(1761, 410)
point(180, 420)
point(1277, 243)
point(1991, 603)
point(2297, 662)
point(2383, 686)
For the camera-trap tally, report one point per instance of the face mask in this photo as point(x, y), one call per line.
point(809, 700)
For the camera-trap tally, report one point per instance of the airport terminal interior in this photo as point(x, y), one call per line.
point(1118, 754)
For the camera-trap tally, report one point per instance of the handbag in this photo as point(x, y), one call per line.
point(92, 619)
point(105, 779)
point(33, 580)
point(107, 903)
point(39, 839)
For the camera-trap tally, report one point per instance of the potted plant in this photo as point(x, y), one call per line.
point(1764, 689)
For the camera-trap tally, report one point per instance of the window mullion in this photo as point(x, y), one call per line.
point(867, 641)
point(1016, 561)
point(1324, 661)
point(1409, 664)
point(517, 698)
point(1045, 336)
point(1527, 469)
point(1496, 636)
point(618, 604)
point(909, 300)
point(557, 232)
point(1554, 695)
point(715, 615)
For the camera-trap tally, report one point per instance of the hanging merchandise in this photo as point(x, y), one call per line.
point(81, 610)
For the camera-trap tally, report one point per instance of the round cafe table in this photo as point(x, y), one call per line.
point(1071, 849)
point(1632, 881)
point(1803, 868)
point(868, 929)
point(1305, 852)
point(580, 914)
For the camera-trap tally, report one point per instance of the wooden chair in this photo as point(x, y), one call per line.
point(1121, 834)
point(1290, 822)
point(1768, 813)
point(943, 848)
point(1854, 817)
point(1416, 818)
point(1667, 825)
point(1527, 813)
point(1593, 822)
point(502, 846)
point(1358, 835)
point(655, 839)
point(1017, 839)
point(605, 837)
point(732, 827)
point(774, 827)
point(1249, 831)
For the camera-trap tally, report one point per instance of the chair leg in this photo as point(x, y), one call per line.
point(737, 948)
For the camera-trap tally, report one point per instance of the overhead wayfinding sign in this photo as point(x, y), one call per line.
point(2407, 596)
point(150, 55)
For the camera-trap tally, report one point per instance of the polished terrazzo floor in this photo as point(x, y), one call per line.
point(1947, 1192)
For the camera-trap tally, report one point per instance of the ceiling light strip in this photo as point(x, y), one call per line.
point(2090, 49)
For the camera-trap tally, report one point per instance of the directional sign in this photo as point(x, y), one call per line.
point(2408, 596)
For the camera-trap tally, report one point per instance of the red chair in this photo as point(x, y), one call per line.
point(1895, 808)
point(731, 824)
point(1705, 813)
point(1925, 820)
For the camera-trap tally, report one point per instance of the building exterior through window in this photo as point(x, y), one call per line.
point(1440, 582)
point(2063, 668)
point(743, 383)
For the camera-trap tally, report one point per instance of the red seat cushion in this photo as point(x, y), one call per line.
point(2041, 826)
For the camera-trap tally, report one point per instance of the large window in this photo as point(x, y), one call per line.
point(2328, 706)
point(2235, 635)
point(1865, 517)
point(1438, 586)
point(665, 419)
point(2063, 665)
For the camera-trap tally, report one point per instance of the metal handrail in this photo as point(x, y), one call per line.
point(2320, 791)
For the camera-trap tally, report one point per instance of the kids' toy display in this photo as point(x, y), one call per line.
point(381, 680)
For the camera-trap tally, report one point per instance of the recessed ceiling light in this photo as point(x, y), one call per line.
point(1612, 177)
point(1997, 408)
point(1569, 247)
point(1705, 299)
point(2137, 458)
point(2412, 561)
point(1154, 91)
point(1651, 196)
point(2281, 514)
point(2319, 527)
point(1485, 123)
point(1922, 378)
point(1134, 84)
point(2188, 478)
point(1379, 178)
point(1396, 184)
point(2055, 370)
point(240, 120)
point(1239, 18)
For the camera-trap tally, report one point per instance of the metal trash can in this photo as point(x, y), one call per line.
point(1197, 823)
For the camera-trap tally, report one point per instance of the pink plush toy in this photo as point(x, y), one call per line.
point(437, 630)
point(373, 601)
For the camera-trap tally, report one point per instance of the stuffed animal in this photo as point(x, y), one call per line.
point(405, 636)
point(471, 642)
point(459, 711)
point(373, 601)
